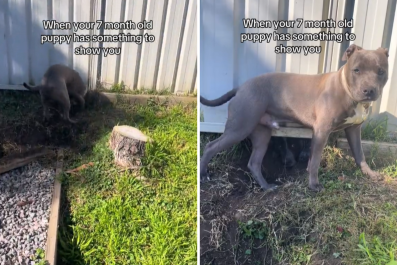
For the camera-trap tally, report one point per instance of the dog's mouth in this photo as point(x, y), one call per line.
point(368, 99)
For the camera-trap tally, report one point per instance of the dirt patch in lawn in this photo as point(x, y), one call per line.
point(22, 126)
point(241, 224)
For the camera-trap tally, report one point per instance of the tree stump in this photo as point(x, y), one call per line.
point(128, 145)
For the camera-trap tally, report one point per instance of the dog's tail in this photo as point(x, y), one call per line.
point(33, 88)
point(219, 101)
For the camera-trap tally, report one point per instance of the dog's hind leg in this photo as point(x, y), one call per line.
point(46, 108)
point(227, 139)
point(212, 148)
point(241, 122)
point(260, 138)
point(236, 130)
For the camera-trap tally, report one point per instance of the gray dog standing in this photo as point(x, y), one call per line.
point(59, 84)
point(323, 102)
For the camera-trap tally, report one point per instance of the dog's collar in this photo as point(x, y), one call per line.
point(345, 85)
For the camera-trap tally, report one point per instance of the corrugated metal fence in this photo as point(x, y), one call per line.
point(226, 63)
point(170, 62)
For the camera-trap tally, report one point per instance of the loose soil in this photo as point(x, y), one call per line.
point(225, 202)
point(22, 126)
point(241, 224)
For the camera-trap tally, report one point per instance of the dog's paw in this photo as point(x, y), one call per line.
point(370, 173)
point(317, 187)
point(204, 177)
point(374, 175)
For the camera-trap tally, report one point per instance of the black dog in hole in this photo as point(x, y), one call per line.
point(290, 150)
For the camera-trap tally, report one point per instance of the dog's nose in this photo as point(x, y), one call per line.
point(369, 91)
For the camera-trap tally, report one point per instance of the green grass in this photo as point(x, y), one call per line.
point(109, 215)
point(145, 217)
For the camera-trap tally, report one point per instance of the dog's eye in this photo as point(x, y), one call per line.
point(356, 71)
point(381, 72)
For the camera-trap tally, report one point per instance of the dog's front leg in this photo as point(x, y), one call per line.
point(319, 141)
point(46, 109)
point(353, 135)
point(80, 100)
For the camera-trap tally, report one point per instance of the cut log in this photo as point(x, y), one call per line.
point(128, 145)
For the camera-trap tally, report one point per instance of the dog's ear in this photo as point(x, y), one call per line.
point(349, 51)
point(384, 50)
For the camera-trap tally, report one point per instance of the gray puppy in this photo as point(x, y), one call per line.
point(59, 84)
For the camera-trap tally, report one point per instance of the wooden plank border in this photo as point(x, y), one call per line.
point(206, 127)
point(51, 247)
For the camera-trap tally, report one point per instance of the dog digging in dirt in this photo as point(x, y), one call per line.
point(59, 84)
point(324, 102)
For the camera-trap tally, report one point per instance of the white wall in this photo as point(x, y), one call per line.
point(167, 63)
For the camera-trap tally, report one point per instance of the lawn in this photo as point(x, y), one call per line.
point(110, 215)
point(353, 221)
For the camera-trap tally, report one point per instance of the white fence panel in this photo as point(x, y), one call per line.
point(93, 73)
point(216, 55)
point(82, 13)
point(3, 44)
point(39, 53)
point(170, 62)
point(187, 69)
point(61, 53)
point(150, 50)
point(388, 102)
point(17, 39)
point(109, 69)
point(171, 42)
point(307, 10)
point(130, 51)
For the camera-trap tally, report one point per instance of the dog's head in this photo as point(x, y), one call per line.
point(366, 72)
